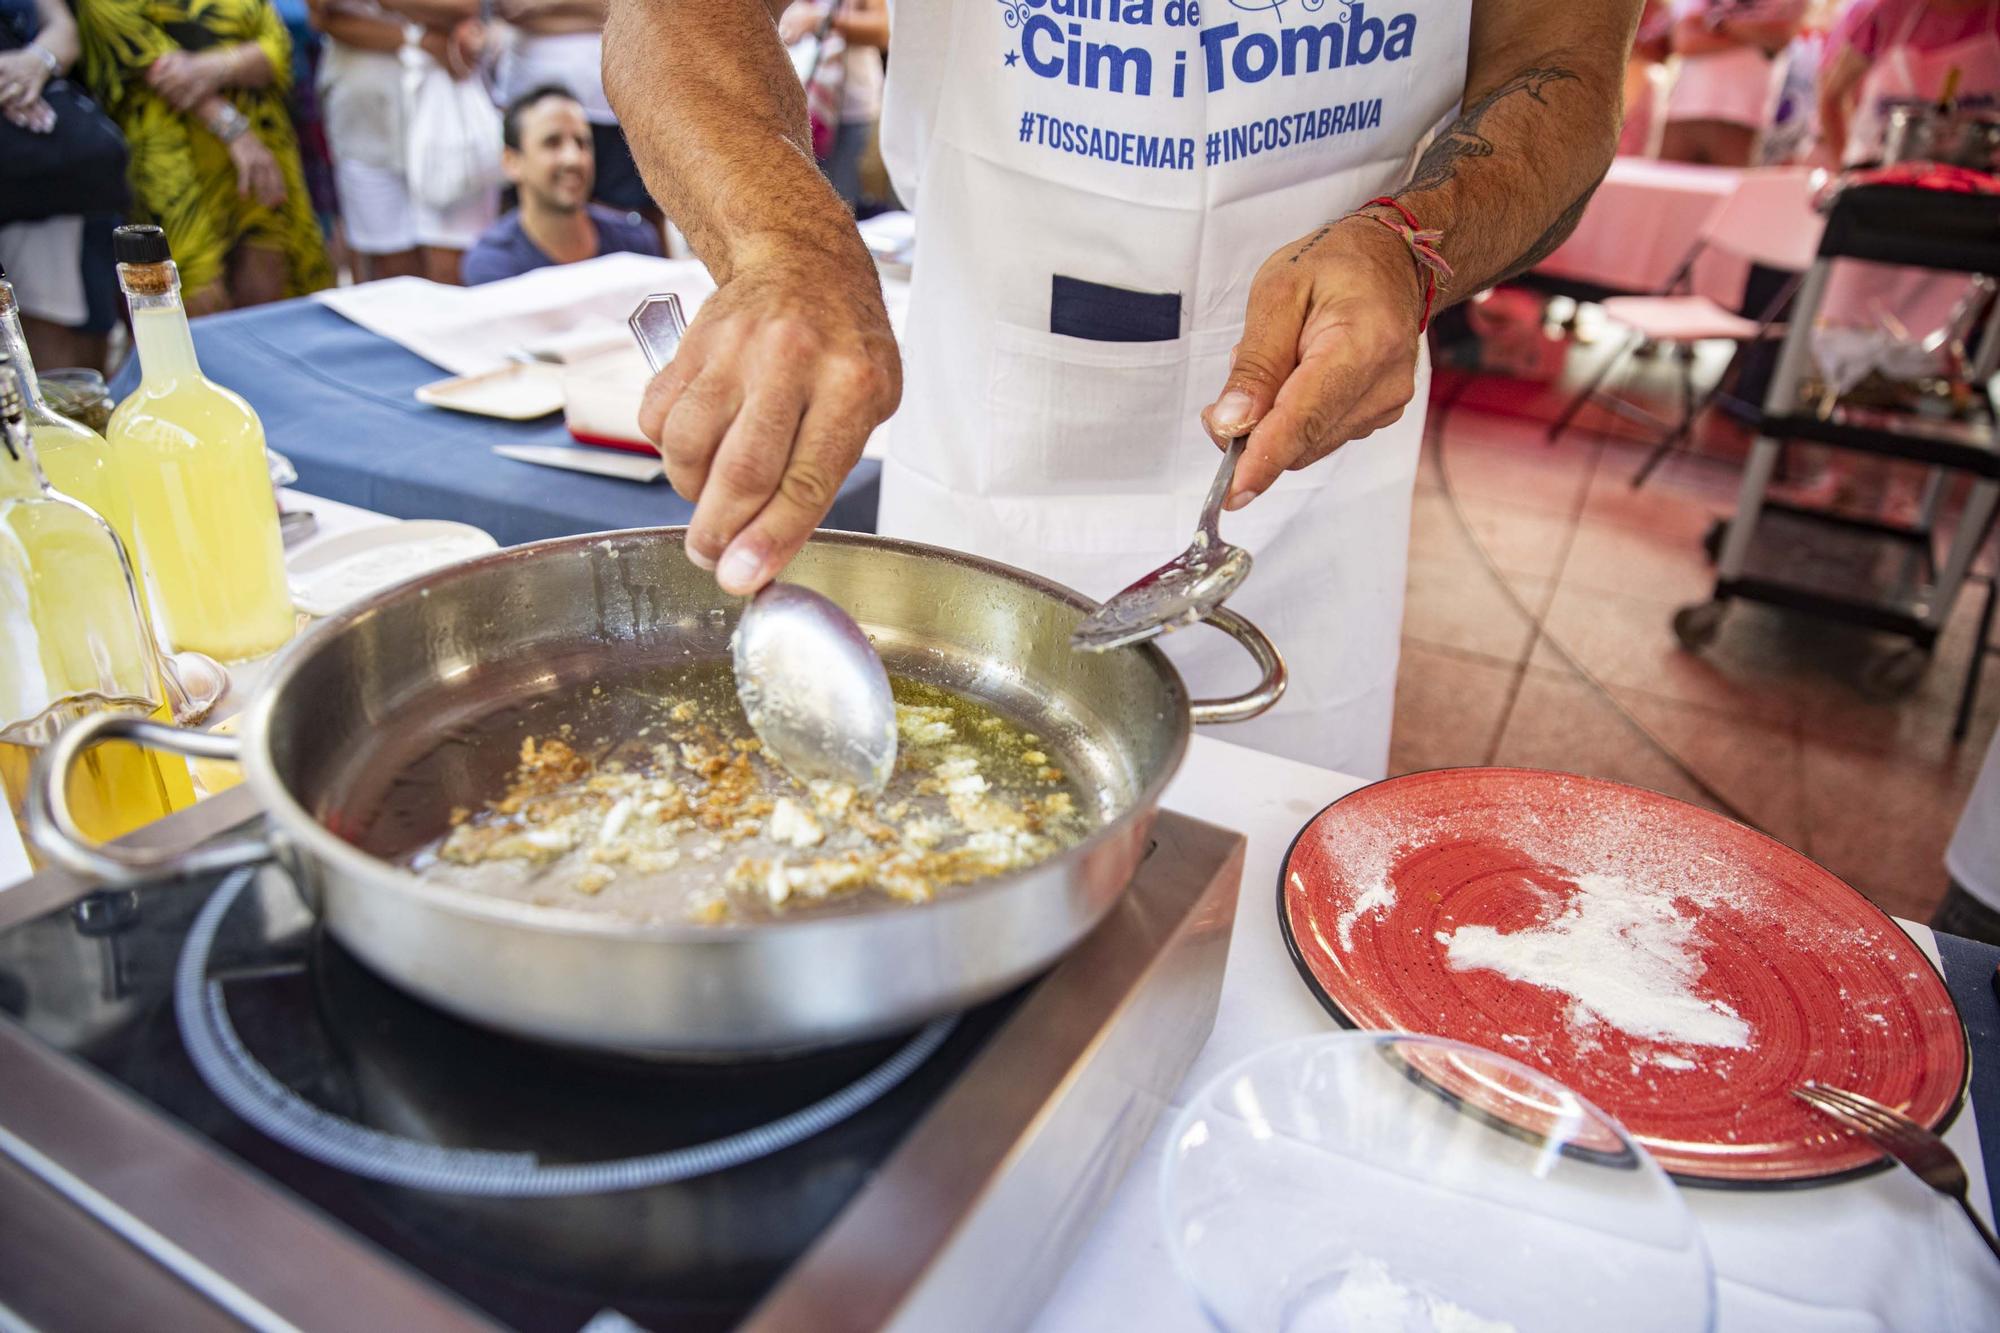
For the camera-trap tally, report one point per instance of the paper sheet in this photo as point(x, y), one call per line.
point(468, 330)
point(574, 314)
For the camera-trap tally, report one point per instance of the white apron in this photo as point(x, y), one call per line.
point(1096, 183)
point(1867, 295)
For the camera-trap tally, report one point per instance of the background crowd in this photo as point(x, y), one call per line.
point(1767, 82)
point(285, 145)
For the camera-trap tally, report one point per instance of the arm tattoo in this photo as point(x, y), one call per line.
point(1463, 140)
point(1558, 232)
point(1306, 246)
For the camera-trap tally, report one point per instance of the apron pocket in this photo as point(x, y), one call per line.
point(1069, 415)
point(1091, 310)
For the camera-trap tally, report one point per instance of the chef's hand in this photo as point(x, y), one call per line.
point(765, 407)
point(1329, 351)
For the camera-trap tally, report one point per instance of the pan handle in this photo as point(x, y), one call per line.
point(54, 830)
point(1267, 691)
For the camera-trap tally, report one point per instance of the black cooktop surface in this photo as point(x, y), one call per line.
point(96, 980)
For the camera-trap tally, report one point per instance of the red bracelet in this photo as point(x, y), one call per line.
point(1423, 245)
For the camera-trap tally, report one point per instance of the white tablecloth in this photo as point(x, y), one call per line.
point(1641, 224)
point(1883, 1253)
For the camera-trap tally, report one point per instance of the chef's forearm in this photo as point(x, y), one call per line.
point(716, 118)
point(1506, 182)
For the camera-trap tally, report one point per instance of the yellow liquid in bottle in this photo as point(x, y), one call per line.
point(79, 464)
point(72, 643)
point(208, 523)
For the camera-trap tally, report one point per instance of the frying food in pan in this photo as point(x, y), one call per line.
point(686, 817)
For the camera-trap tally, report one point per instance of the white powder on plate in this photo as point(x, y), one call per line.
point(1623, 954)
point(1379, 896)
point(1565, 825)
point(1369, 1297)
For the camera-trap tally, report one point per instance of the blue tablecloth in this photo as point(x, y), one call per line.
point(337, 401)
point(1968, 973)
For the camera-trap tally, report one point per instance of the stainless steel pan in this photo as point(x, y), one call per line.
point(349, 704)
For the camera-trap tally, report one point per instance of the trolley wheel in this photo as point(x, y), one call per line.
point(1696, 626)
point(1892, 675)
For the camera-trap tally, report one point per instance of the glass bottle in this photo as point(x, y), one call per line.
point(77, 460)
point(73, 641)
point(193, 456)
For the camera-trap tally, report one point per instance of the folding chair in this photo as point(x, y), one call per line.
point(1768, 219)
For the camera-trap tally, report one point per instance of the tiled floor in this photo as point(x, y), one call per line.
point(1499, 668)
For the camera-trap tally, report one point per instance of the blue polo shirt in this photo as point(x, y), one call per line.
point(505, 250)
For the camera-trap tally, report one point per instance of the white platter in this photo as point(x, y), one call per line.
point(339, 571)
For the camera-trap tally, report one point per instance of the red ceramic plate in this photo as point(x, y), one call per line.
point(1681, 971)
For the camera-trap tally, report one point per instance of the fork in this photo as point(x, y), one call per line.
point(1903, 1139)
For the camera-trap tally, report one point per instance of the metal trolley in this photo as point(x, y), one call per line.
point(1882, 576)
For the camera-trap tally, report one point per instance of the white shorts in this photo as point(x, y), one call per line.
point(382, 219)
point(572, 60)
point(45, 261)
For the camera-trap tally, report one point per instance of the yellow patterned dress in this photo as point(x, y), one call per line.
point(182, 177)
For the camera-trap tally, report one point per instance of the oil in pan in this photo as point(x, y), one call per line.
point(646, 797)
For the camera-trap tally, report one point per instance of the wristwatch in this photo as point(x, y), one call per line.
point(48, 59)
point(228, 124)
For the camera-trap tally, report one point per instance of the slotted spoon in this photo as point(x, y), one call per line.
point(1183, 590)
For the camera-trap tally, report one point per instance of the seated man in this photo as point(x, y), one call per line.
point(548, 158)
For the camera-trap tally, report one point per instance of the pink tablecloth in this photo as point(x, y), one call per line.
point(1641, 224)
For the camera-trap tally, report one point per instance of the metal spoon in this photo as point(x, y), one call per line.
point(1181, 591)
point(814, 689)
point(659, 326)
point(811, 684)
